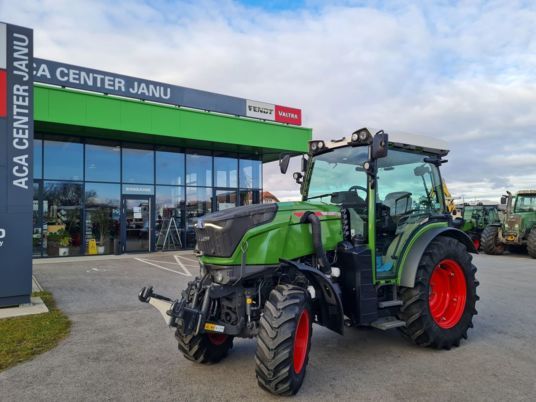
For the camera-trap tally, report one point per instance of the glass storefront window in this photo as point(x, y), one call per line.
point(103, 163)
point(225, 199)
point(78, 189)
point(250, 197)
point(102, 217)
point(170, 205)
point(138, 166)
point(250, 173)
point(198, 203)
point(63, 160)
point(198, 170)
point(225, 172)
point(169, 168)
point(61, 218)
point(38, 159)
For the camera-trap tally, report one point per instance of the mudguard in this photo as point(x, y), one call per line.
point(411, 263)
point(330, 313)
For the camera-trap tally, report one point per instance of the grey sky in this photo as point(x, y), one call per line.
point(463, 71)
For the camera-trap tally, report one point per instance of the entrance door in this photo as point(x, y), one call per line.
point(137, 223)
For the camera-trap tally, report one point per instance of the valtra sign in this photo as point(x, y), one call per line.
point(16, 161)
point(277, 113)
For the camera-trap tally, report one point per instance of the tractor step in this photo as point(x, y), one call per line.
point(390, 303)
point(386, 323)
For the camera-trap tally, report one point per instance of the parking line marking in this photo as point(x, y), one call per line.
point(182, 265)
point(164, 268)
point(160, 262)
point(187, 258)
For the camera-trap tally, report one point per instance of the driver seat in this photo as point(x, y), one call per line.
point(399, 207)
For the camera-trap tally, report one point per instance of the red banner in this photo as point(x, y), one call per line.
point(3, 93)
point(288, 115)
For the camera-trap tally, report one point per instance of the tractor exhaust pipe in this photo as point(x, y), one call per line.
point(317, 241)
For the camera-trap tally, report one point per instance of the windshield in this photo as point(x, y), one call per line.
point(338, 171)
point(525, 203)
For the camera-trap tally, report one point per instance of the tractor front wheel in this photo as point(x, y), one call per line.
point(531, 243)
point(439, 309)
point(489, 241)
point(284, 340)
point(207, 348)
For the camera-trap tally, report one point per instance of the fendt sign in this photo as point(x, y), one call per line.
point(88, 79)
point(16, 161)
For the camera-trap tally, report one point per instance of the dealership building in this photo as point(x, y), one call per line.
point(93, 162)
point(122, 164)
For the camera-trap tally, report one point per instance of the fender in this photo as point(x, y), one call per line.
point(411, 263)
point(330, 313)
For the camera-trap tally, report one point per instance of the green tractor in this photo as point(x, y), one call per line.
point(370, 244)
point(476, 217)
point(517, 227)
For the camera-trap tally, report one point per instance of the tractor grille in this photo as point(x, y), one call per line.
point(218, 234)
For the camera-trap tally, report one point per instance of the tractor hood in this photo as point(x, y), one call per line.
point(219, 234)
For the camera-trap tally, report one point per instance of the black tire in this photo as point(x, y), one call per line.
point(490, 241)
point(204, 348)
point(421, 326)
point(531, 243)
point(279, 326)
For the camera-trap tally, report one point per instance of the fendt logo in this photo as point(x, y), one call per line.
point(2, 236)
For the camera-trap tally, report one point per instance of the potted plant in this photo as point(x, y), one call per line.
point(101, 221)
point(64, 243)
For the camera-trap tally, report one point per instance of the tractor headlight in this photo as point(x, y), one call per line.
point(316, 146)
point(218, 277)
point(361, 137)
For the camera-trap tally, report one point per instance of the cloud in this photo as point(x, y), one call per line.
point(461, 71)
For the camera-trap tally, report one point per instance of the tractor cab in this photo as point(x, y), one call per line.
point(383, 199)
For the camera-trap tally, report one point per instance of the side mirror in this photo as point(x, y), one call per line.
point(379, 145)
point(421, 170)
point(503, 200)
point(298, 177)
point(304, 163)
point(284, 160)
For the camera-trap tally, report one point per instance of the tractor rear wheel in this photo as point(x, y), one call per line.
point(490, 241)
point(204, 348)
point(439, 309)
point(531, 243)
point(284, 340)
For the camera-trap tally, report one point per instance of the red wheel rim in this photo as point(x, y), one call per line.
point(476, 243)
point(448, 293)
point(217, 339)
point(301, 340)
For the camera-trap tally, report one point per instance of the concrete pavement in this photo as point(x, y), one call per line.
point(120, 349)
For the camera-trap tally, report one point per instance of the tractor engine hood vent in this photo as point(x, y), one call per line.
point(219, 233)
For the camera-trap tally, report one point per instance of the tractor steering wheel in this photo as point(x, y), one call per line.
point(362, 201)
point(354, 188)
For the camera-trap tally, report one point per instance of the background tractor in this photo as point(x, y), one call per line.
point(370, 244)
point(517, 226)
point(476, 217)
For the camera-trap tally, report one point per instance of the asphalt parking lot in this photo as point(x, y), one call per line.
point(120, 349)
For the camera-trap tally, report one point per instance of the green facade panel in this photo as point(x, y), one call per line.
point(58, 107)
